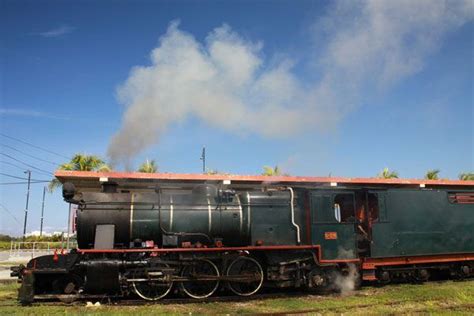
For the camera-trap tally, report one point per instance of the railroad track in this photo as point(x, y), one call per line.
point(71, 300)
point(226, 298)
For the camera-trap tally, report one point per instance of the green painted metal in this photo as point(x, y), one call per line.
point(270, 219)
point(409, 222)
point(421, 222)
point(337, 240)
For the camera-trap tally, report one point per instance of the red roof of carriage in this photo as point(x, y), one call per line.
point(91, 179)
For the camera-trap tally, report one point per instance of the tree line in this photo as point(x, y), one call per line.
point(83, 162)
point(386, 173)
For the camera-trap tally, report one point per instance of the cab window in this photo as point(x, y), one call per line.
point(373, 202)
point(344, 208)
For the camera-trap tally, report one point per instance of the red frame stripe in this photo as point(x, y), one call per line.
point(247, 248)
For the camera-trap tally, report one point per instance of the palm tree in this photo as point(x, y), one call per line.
point(213, 172)
point(80, 162)
point(432, 174)
point(149, 166)
point(387, 174)
point(466, 176)
point(269, 171)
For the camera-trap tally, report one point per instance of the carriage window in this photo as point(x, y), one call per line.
point(344, 208)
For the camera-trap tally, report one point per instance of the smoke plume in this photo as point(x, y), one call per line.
point(346, 283)
point(229, 84)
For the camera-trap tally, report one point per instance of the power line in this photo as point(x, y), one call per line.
point(32, 182)
point(20, 178)
point(11, 214)
point(37, 147)
point(31, 156)
point(15, 177)
point(12, 164)
point(22, 162)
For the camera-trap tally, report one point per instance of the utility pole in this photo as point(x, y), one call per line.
point(42, 212)
point(203, 158)
point(27, 200)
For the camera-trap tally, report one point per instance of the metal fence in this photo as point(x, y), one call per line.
point(31, 249)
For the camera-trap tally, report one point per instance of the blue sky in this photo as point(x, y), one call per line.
point(340, 88)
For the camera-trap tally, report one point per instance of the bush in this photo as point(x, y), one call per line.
point(5, 237)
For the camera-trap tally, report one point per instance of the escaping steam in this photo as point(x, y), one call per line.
point(346, 283)
point(227, 83)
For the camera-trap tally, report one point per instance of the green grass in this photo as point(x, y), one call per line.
point(445, 298)
point(6, 245)
point(8, 263)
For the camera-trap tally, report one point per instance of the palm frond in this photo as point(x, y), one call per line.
point(271, 171)
point(53, 185)
point(104, 168)
point(466, 176)
point(387, 174)
point(149, 166)
point(80, 162)
point(432, 174)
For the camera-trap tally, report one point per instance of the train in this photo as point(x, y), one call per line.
point(153, 236)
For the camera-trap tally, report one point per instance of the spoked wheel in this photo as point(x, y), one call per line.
point(248, 274)
point(202, 274)
point(152, 284)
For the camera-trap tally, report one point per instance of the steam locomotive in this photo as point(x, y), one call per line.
point(207, 239)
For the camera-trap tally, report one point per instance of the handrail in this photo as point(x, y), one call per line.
point(292, 207)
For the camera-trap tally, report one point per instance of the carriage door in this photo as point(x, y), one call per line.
point(333, 224)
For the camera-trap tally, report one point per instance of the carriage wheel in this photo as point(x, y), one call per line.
point(252, 276)
point(151, 289)
point(200, 287)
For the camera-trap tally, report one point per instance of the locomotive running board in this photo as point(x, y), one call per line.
point(222, 249)
point(370, 265)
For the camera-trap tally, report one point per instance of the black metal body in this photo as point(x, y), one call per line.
point(200, 216)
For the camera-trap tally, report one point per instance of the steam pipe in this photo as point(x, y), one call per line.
point(292, 195)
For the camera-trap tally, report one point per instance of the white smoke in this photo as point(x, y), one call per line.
point(347, 282)
point(227, 83)
point(385, 41)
